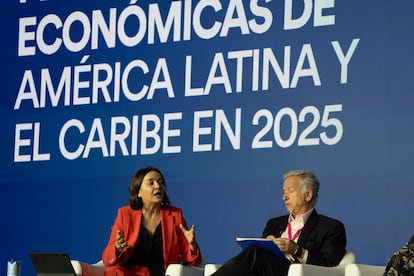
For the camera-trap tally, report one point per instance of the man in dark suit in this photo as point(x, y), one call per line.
point(304, 236)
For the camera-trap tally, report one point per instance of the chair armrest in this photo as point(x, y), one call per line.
point(210, 269)
point(183, 270)
point(294, 270)
point(84, 269)
point(364, 270)
point(77, 267)
point(316, 270)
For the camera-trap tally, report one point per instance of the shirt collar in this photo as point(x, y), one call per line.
point(300, 220)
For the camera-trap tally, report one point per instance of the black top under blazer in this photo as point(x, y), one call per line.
point(323, 237)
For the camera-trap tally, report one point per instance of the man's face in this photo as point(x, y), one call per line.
point(296, 201)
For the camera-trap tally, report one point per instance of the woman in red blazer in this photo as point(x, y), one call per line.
point(149, 234)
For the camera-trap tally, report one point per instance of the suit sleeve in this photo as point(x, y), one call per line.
point(275, 227)
point(109, 256)
point(187, 255)
point(328, 245)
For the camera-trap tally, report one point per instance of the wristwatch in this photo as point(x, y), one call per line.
point(297, 253)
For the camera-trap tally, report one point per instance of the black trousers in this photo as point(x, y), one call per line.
point(254, 261)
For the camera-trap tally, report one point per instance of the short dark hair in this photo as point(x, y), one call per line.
point(136, 202)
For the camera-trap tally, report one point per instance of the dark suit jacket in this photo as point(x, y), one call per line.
point(322, 236)
point(175, 245)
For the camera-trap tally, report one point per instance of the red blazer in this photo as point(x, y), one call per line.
point(175, 245)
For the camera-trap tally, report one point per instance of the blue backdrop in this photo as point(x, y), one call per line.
point(224, 97)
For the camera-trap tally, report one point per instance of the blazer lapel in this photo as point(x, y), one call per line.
point(282, 226)
point(307, 229)
point(167, 224)
point(134, 225)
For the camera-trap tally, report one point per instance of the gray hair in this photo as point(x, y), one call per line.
point(308, 181)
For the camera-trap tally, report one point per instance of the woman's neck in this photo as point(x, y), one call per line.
point(151, 217)
point(151, 210)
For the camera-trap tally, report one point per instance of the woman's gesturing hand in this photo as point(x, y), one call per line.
point(120, 243)
point(190, 236)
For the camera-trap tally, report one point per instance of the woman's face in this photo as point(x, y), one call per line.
point(152, 188)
